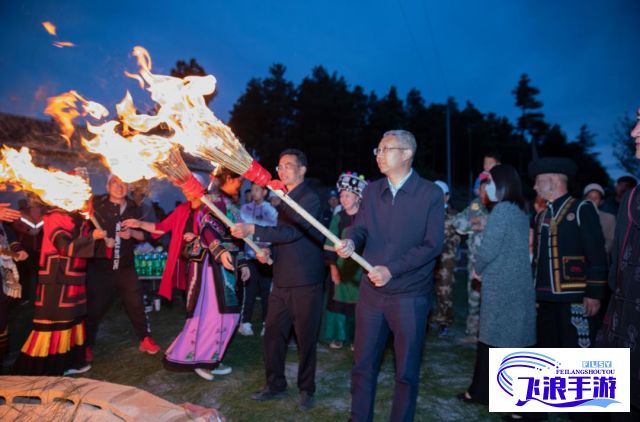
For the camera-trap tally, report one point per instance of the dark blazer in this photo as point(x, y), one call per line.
point(404, 233)
point(298, 258)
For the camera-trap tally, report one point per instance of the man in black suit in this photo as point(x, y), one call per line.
point(298, 275)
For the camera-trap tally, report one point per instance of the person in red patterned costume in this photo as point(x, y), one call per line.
point(56, 345)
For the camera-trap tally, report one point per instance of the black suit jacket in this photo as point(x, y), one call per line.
point(297, 245)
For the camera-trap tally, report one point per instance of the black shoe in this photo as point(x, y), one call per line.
point(465, 397)
point(267, 394)
point(305, 401)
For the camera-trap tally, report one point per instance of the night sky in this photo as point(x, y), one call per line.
point(582, 55)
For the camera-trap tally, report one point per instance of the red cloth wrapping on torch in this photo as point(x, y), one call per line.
point(257, 174)
point(260, 176)
point(191, 188)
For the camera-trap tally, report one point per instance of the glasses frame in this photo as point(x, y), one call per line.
point(383, 150)
point(287, 166)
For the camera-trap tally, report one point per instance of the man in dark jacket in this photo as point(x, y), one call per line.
point(298, 275)
point(115, 272)
point(401, 226)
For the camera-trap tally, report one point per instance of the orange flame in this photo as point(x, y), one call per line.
point(130, 158)
point(181, 107)
point(54, 187)
point(63, 109)
point(131, 150)
point(62, 44)
point(129, 155)
point(49, 27)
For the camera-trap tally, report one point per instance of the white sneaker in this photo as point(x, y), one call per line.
point(74, 371)
point(204, 373)
point(222, 369)
point(245, 329)
point(335, 345)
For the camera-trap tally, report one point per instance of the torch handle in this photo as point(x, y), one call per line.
point(318, 225)
point(95, 221)
point(223, 217)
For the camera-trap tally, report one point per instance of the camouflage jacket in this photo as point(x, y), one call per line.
point(451, 236)
point(471, 221)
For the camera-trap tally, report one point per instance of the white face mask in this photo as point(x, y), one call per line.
point(491, 191)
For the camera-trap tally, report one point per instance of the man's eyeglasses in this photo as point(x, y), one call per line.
point(287, 166)
point(383, 150)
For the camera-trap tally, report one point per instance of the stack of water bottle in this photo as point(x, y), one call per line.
point(150, 263)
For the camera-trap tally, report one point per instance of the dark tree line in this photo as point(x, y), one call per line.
point(337, 125)
point(624, 146)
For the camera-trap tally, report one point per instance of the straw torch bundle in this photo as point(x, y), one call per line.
point(183, 109)
point(230, 153)
point(175, 169)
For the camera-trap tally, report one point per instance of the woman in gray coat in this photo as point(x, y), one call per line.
point(508, 301)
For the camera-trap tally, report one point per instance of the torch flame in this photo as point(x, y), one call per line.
point(128, 154)
point(130, 158)
point(132, 144)
point(183, 109)
point(49, 27)
point(63, 109)
point(51, 30)
point(54, 187)
point(62, 44)
point(140, 122)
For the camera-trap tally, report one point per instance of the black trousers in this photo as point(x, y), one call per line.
point(102, 285)
point(479, 388)
point(300, 307)
point(556, 329)
point(28, 270)
point(4, 326)
point(258, 284)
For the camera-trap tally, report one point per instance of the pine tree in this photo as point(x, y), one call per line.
point(586, 139)
point(530, 120)
point(263, 116)
point(624, 148)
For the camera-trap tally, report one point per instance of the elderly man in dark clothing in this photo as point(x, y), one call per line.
point(298, 275)
point(569, 259)
point(401, 226)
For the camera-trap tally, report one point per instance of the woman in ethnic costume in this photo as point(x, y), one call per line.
point(213, 303)
point(10, 289)
point(56, 345)
point(345, 273)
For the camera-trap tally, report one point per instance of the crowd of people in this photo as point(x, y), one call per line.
point(557, 271)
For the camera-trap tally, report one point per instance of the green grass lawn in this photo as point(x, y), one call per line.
point(446, 370)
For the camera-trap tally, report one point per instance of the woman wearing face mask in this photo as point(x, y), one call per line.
point(507, 313)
